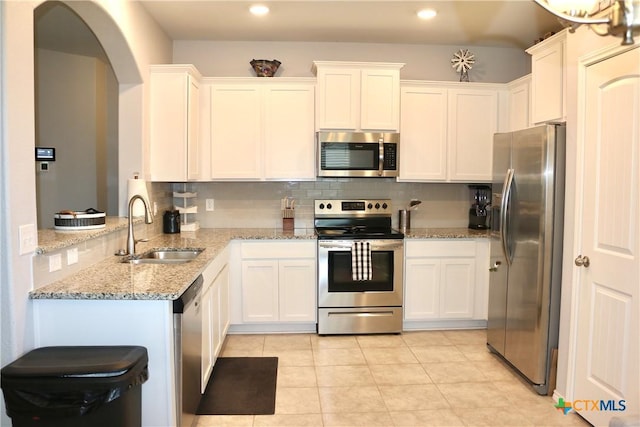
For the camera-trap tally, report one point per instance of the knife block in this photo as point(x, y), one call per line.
point(288, 219)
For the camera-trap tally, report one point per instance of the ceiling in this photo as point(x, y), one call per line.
point(505, 23)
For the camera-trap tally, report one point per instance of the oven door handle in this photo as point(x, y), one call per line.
point(345, 245)
point(380, 156)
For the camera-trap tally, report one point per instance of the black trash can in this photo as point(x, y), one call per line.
point(95, 386)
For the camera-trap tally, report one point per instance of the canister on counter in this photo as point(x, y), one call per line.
point(171, 222)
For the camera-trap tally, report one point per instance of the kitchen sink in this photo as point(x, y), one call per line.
point(165, 256)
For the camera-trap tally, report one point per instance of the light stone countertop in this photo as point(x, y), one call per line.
point(446, 233)
point(110, 279)
point(50, 239)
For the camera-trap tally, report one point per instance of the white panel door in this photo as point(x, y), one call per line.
point(297, 290)
point(473, 120)
point(422, 279)
point(423, 133)
point(548, 82)
point(236, 137)
point(338, 98)
point(456, 288)
point(380, 100)
point(260, 291)
point(289, 132)
point(193, 130)
point(607, 356)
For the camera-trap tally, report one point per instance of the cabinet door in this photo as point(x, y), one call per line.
point(193, 130)
point(289, 131)
point(380, 100)
point(297, 290)
point(338, 98)
point(223, 307)
point(456, 288)
point(208, 325)
point(235, 131)
point(548, 82)
point(422, 281)
point(423, 133)
point(260, 291)
point(519, 106)
point(473, 119)
point(168, 105)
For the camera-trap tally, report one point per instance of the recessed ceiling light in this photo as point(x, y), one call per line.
point(427, 13)
point(259, 9)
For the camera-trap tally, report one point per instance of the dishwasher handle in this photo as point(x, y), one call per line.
point(188, 296)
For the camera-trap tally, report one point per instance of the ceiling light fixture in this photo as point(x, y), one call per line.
point(622, 17)
point(427, 14)
point(259, 9)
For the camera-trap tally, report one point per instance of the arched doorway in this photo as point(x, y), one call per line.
point(76, 101)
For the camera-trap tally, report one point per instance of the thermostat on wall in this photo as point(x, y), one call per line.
point(45, 154)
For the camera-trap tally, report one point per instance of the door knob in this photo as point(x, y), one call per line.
point(495, 266)
point(582, 261)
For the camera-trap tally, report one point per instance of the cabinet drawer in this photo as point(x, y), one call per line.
point(440, 248)
point(272, 250)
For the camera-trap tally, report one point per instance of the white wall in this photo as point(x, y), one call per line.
point(423, 62)
point(132, 41)
point(67, 119)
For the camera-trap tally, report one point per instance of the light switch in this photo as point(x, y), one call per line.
point(55, 263)
point(72, 256)
point(27, 236)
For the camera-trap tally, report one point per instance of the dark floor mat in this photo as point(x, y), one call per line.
point(241, 386)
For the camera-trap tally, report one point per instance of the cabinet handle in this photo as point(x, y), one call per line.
point(495, 266)
point(582, 261)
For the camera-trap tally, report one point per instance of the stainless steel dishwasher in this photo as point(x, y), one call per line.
point(187, 335)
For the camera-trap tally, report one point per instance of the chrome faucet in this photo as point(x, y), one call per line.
point(148, 219)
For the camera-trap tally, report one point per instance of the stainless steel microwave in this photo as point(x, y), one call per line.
point(358, 154)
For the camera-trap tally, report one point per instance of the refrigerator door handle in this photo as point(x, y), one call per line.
point(506, 199)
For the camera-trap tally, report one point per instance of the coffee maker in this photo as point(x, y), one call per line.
point(480, 211)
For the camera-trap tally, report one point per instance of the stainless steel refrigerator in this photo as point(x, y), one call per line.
point(527, 211)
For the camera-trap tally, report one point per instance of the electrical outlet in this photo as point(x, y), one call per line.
point(27, 236)
point(72, 256)
point(155, 208)
point(55, 262)
point(210, 205)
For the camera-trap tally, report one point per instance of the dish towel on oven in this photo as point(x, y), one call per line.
point(361, 261)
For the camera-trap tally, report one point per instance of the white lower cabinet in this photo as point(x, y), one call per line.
point(445, 283)
point(278, 282)
point(215, 313)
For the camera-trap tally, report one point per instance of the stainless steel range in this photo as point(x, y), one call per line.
point(360, 267)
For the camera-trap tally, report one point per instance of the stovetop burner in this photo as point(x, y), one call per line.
point(354, 219)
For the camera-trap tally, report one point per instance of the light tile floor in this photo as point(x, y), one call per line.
point(434, 378)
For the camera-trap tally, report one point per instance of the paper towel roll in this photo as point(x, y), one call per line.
point(137, 186)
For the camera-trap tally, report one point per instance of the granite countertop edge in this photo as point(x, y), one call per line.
point(110, 279)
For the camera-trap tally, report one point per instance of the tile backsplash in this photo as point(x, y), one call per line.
point(257, 204)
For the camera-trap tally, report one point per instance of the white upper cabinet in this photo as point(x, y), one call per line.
point(447, 131)
point(519, 103)
point(473, 120)
point(174, 151)
point(358, 96)
point(423, 132)
point(262, 129)
point(548, 79)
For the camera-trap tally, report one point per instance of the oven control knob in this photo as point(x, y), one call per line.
point(377, 205)
point(321, 206)
point(329, 206)
point(384, 206)
point(370, 206)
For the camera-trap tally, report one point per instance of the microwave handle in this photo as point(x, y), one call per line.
point(380, 156)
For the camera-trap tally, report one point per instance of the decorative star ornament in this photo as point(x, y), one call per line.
point(462, 62)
